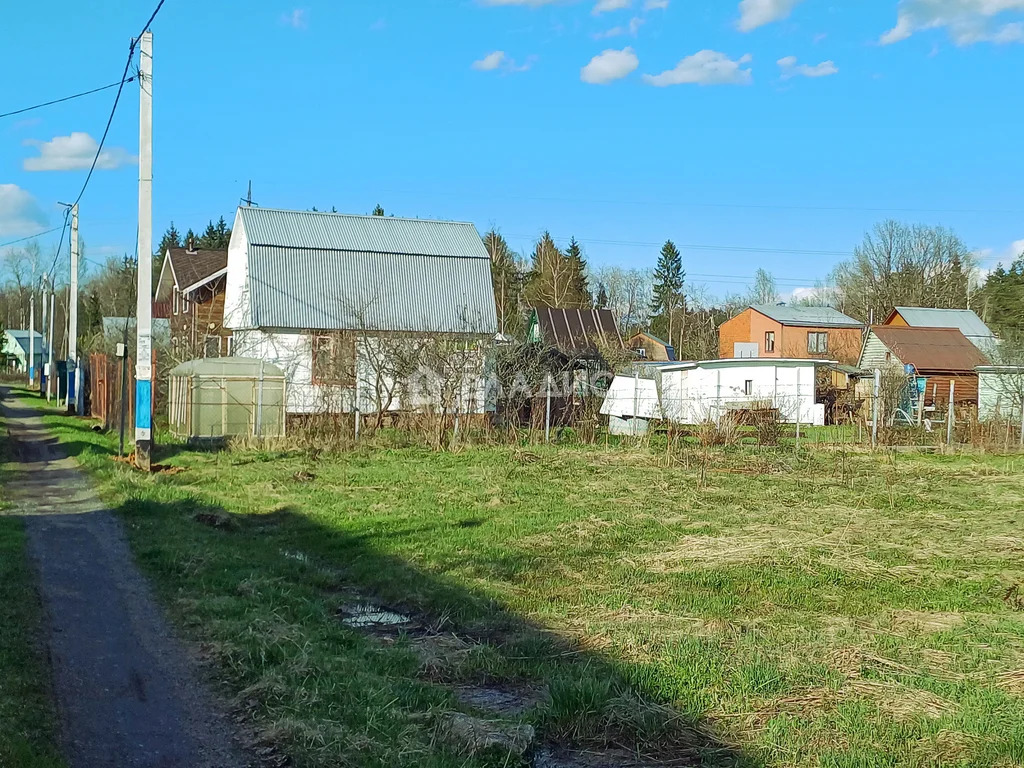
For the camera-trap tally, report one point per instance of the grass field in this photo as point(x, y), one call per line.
point(27, 726)
point(731, 608)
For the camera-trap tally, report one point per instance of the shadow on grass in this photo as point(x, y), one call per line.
point(247, 579)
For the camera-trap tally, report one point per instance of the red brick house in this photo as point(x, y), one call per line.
point(191, 285)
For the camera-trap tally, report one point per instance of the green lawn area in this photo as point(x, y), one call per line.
point(27, 726)
point(735, 606)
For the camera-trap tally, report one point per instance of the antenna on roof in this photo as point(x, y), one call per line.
point(248, 197)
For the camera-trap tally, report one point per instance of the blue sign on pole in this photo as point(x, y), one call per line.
point(143, 409)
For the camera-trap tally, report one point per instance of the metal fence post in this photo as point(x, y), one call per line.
point(874, 407)
point(949, 414)
point(547, 410)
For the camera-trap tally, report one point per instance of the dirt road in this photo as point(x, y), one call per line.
point(128, 693)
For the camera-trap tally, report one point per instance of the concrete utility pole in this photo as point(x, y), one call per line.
point(144, 301)
point(32, 339)
point(73, 315)
point(43, 327)
point(51, 380)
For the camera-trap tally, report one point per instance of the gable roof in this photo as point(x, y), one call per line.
point(576, 332)
point(966, 320)
point(821, 317)
point(325, 271)
point(191, 267)
point(21, 339)
point(930, 349)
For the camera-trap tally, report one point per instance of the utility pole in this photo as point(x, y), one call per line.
point(43, 327)
point(73, 315)
point(32, 339)
point(51, 380)
point(144, 302)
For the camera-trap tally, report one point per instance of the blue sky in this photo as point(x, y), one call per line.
point(761, 133)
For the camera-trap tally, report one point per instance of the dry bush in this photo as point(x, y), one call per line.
point(723, 431)
point(767, 422)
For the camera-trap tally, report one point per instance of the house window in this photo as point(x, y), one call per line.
point(184, 303)
point(334, 359)
point(817, 343)
point(175, 302)
point(231, 346)
point(748, 387)
point(769, 341)
point(212, 346)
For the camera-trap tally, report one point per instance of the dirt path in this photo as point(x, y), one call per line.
point(128, 693)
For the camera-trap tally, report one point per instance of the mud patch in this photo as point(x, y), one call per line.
point(500, 700)
point(555, 757)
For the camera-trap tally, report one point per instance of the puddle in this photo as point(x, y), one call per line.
point(368, 616)
point(508, 702)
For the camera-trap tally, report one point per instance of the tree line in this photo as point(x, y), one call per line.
point(896, 264)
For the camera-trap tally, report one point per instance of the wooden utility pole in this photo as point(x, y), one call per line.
point(144, 302)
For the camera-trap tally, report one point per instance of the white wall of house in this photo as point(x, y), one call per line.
point(693, 393)
point(236, 286)
point(292, 351)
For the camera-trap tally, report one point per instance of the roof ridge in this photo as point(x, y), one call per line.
point(356, 215)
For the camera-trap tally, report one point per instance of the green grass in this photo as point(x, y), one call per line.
point(756, 607)
point(27, 724)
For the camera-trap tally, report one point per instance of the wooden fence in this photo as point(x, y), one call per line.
point(104, 385)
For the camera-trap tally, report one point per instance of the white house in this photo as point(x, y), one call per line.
point(15, 348)
point(339, 301)
point(694, 392)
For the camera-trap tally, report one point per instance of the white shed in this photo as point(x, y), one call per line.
point(1000, 391)
point(693, 392)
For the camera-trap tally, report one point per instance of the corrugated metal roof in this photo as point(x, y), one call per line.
point(965, 320)
point(322, 289)
point(364, 234)
point(21, 339)
point(930, 349)
point(821, 317)
point(577, 331)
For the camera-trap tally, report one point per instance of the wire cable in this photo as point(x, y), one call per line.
point(117, 99)
point(30, 237)
point(66, 98)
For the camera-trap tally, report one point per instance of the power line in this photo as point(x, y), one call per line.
point(30, 237)
point(696, 247)
point(117, 99)
point(66, 98)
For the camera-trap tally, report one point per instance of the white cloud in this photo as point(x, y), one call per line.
point(656, 5)
point(609, 65)
point(75, 153)
point(20, 214)
point(990, 258)
point(606, 6)
point(757, 13)
point(789, 68)
point(705, 68)
point(499, 60)
point(533, 3)
point(631, 29)
point(967, 21)
point(490, 62)
point(297, 18)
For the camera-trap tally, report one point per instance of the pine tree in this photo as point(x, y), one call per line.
point(171, 239)
point(554, 279)
point(668, 298)
point(223, 234)
point(507, 278)
point(378, 210)
point(578, 271)
point(209, 238)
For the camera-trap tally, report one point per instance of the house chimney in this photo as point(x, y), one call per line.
point(190, 246)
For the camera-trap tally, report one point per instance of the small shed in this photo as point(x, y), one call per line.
point(227, 397)
point(1000, 391)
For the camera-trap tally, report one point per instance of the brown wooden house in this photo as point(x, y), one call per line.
point(192, 285)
